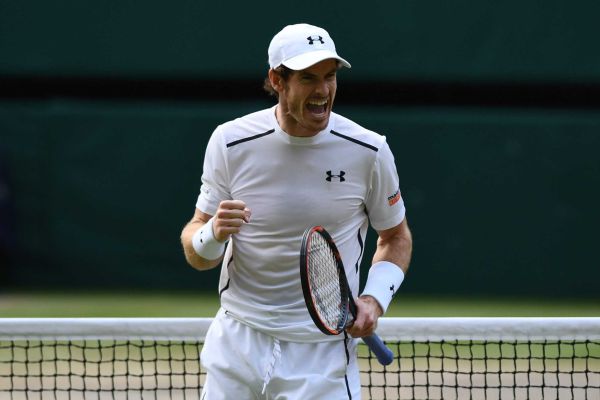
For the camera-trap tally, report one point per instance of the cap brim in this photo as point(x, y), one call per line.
point(306, 60)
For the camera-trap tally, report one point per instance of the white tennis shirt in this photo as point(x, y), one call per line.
point(341, 178)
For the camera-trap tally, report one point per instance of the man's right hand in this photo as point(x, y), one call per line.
point(229, 219)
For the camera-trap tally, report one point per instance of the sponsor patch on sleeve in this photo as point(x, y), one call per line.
point(393, 199)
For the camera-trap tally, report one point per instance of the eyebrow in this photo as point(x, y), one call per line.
point(310, 74)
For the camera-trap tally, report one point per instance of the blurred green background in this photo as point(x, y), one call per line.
point(492, 111)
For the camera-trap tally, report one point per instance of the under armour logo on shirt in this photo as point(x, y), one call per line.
point(313, 39)
point(339, 176)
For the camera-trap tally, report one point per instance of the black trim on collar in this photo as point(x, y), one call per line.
point(250, 138)
point(368, 146)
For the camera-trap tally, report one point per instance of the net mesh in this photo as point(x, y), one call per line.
point(486, 370)
point(106, 369)
point(422, 369)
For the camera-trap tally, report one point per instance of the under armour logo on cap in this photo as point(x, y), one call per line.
point(301, 46)
point(313, 39)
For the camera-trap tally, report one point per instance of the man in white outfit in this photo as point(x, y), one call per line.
point(267, 177)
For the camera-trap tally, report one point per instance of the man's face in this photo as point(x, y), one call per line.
point(306, 99)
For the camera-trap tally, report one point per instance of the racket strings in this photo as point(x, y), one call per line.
point(325, 285)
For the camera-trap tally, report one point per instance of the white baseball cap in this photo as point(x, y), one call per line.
point(300, 46)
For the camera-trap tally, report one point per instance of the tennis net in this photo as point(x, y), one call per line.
point(435, 358)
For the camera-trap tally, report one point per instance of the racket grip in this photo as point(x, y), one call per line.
point(381, 351)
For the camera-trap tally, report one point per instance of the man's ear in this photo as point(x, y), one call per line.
point(276, 80)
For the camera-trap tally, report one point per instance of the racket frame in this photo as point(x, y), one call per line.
point(307, 290)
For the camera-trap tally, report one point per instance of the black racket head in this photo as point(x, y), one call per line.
point(323, 281)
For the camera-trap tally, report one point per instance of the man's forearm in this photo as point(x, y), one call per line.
point(395, 246)
point(191, 256)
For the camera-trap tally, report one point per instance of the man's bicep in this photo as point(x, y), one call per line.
point(400, 230)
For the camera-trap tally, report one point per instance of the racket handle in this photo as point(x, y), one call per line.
point(381, 351)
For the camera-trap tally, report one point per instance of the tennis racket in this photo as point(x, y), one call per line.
point(326, 292)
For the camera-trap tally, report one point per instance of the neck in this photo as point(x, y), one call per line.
point(290, 126)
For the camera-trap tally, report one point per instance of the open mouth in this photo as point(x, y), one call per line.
point(317, 106)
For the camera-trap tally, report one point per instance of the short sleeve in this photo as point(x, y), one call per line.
point(215, 177)
point(384, 202)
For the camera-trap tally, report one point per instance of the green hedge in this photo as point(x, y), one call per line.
point(500, 202)
point(460, 40)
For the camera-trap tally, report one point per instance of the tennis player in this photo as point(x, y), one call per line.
point(267, 177)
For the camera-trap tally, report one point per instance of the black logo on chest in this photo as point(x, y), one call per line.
point(339, 176)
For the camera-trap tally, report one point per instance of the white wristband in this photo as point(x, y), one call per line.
point(205, 244)
point(383, 282)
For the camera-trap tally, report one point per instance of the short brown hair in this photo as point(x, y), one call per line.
point(284, 72)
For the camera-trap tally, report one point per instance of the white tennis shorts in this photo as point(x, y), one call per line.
point(244, 364)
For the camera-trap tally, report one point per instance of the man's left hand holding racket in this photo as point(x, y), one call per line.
point(328, 297)
point(367, 313)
